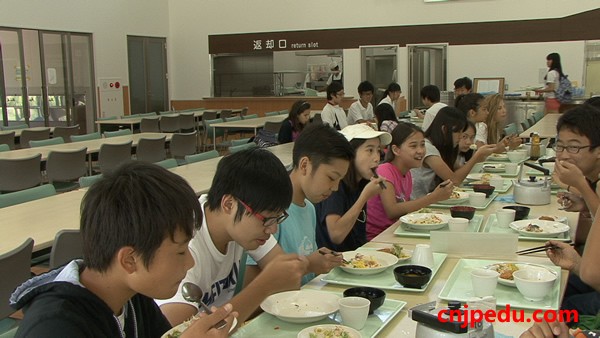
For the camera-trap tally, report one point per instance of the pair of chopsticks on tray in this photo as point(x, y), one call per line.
point(540, 249)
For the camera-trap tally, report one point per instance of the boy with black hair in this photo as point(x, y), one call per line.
point(332, 114)
point(244, 206)
point(320, 159)
point(136, 223)
point(462, 86)
point(361, 111)
point(430, 95)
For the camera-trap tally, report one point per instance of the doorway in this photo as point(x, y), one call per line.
point(426, 66)
point(47, 78)
point(379, 66)
point(148, 87)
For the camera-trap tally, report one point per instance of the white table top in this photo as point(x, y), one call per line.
point(93, 146)
point(258, 122)
point(546, 127)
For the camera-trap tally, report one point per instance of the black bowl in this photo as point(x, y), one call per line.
point(376, 296)
point(521, 211)
point(461, 211)
point(484, 188)
point(412, 276)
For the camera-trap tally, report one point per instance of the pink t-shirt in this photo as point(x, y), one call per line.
point(377, 220)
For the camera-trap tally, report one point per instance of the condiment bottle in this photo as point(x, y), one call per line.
point(534, 152)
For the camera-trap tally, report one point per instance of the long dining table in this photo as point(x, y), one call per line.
point(545, 127)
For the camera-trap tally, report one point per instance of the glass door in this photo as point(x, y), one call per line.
point(147, 59)
point(11, 87)
point(379, 64)
point(55, 78)
point(427, 66)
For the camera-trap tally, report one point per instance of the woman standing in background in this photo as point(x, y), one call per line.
point(552, 80)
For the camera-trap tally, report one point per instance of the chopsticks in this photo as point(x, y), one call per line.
point(381, 184)
point(540, 249)
point(335, 254)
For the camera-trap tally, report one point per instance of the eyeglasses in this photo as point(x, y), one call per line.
point(267, 221)
point(570, 149)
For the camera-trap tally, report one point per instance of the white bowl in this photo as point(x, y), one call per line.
point(514, 156)
point(315, 330)
point(458, 224)
point(303, 306)
point(534, 285)
point(425, 221)
point(385, 260)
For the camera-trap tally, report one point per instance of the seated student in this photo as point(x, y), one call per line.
point(386, 118)
point(471, 105)
point(136, 223)
point(578, 163)
point(441, 141)
point(297, 119)
point(465, 145)
point(405, 152)
point(430, 95)
point(391, 96)
point(361, 111)
point(462, 86)
point(332, 113)
point(321, 157)
point(493, 129)
point(341, 218)
point(246, 202)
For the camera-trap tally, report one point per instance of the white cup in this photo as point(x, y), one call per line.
point(497, 182)
point(422, 255)
point(549, 166)
point(484, 282)
point(354, 311)
point(511, 168)
point(505, 217)
point(458, 224)
point(476, 199)
point(514, 156)
point(524, 153)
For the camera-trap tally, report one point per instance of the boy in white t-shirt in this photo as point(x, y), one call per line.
point(361, 111)
point(430, 95)
point(244, 206)
point(333, 114)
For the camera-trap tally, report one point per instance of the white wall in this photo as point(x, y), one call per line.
point(191, 22)
point(110, 21)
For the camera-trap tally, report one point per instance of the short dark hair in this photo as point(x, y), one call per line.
point(255, 176)
point(321, 144)
point(365, 86)
point(333, 88)
point(466, 102)
point(392, 87)
point(138, 205)
point(593, 101)
point(384, 112)
point(447, 121)
point(582, 120)
point(431, 92)
point(463, 82)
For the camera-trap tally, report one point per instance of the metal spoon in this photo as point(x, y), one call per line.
point(192, 293)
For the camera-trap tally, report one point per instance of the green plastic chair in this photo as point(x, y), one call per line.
point(168, 163)
point(15, 127)
point(511, 129)
point(239, 142)
point(538, 116)
point(87, 181)
point(107, 118)
point(251, 116)
point(202, 156)
point(48, 142)
point(235, 149)
point(31, 194)
point(4, 147)
point(86, 137)
point(208, 133)
point(121, 132)
point(272, 113)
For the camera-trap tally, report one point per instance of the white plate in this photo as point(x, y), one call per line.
point(414, 221)
point(482, 177)
point(520, 266)
point(306, 333)
point(302, 306)
point(494, 168)
point(497, 157)
point(406, 254)
point(549, 228)
point(384, 259)
point(183, 326)
point(462, 196)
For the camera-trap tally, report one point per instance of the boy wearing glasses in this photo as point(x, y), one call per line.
point(246, 202)
point(321, 158)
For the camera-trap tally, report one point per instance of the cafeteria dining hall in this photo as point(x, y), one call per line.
point(414, 168)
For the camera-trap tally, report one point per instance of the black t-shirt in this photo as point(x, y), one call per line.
point(338, 203)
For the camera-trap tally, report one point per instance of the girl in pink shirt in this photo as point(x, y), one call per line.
point(405, 152)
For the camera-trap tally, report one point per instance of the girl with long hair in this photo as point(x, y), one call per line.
point(552, 80)
point(405, 152)
point(391, 95)
point(297, 119)
point(495, 123)
point(441, 144)
point(342, 217)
